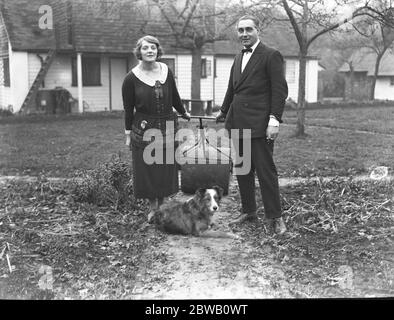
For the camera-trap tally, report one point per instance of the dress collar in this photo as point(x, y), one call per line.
point(148, 80)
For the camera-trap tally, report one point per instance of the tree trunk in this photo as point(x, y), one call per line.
point(300, 129)
point(197, 107)
point(375, 76)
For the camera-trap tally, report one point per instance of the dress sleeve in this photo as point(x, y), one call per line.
point(128, 95)
point(176, 99)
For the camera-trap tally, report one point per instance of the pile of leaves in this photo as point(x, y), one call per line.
point(334, 225)
point(78, 240)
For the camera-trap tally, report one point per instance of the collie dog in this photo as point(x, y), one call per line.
point(193, 217)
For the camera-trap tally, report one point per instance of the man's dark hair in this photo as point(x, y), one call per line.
point(250, 17)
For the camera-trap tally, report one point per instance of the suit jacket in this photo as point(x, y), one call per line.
point(260, 90)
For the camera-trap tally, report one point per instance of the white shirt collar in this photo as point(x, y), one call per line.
point(255, 45)
point(148, 80)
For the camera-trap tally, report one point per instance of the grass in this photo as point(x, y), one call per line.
point(333, 227)
point(60, 145)
point(373, 119)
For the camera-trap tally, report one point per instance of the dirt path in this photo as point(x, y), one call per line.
point(208, 268)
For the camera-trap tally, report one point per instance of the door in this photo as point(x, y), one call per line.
point(118, 70)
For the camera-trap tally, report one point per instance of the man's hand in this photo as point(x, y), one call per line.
point(128, 140)
point(220, 117)
point(186, 116)
point(272, 132)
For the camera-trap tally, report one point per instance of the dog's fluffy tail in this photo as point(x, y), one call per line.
point(152, 216)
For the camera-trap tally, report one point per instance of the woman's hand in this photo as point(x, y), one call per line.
point(186, 116)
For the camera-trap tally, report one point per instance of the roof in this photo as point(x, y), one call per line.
point(105, 26)
point(93, 31)
point(364, 60)
point(21, 19)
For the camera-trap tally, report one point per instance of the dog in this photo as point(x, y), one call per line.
point(193, 217)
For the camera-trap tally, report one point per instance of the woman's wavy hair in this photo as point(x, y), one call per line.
point(150, 39)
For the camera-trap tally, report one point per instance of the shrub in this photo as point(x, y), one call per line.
point(6, 112)
point(109, 184)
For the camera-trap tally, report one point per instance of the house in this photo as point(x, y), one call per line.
point(358, 82)
point(85, 47)
point(84, 42)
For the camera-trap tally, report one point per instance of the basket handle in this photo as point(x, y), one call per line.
point(199, 117)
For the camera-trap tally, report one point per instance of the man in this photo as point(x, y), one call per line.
point(255, 100)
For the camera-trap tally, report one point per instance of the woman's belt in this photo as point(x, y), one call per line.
point(142, 122)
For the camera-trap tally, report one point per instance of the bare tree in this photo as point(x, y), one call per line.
point(195, 24)
point(311, 19)
point(346, 44)
point(378, 35)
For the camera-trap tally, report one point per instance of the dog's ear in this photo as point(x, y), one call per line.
point(219, 191)
point(201, 192)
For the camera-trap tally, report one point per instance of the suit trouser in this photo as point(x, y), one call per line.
point(263, 164)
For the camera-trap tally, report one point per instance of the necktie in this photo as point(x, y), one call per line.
point(247, 50)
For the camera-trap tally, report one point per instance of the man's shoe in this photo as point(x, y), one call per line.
point(244, 217)
point(279, 226)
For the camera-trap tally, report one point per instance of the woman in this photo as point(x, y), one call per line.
point(149, 95)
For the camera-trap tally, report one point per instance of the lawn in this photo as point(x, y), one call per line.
point(60, 145)
point(373, 119)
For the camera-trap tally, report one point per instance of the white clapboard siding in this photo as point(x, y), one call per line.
point(183, 66)
point(59, 75)
point(292, 73)
point(223, 67)
point(384, 90)
point(312, 72)
point(184, 75)
point(5, 97)
point(207, 83)
point(19, 78)
point(311, 81)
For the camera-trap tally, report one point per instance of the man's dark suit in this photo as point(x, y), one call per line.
point(251, 97)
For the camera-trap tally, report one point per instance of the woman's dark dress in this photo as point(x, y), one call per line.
point(139, 99)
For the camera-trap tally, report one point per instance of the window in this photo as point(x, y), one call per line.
point(170, 62)
point(6, 72)
point(90, 71)
point(205, 68)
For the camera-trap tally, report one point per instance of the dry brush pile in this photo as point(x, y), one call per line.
point(78, 239)
point(334, 225)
